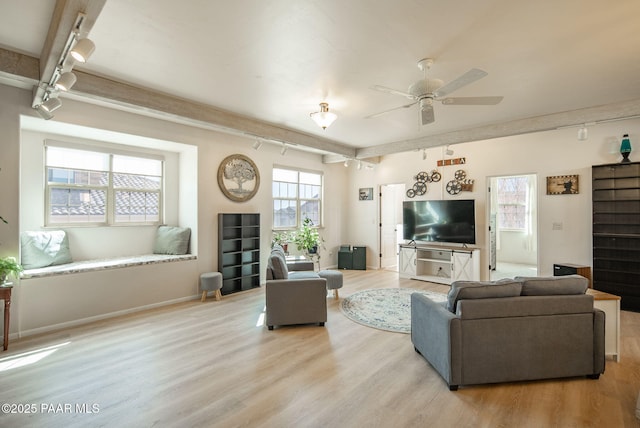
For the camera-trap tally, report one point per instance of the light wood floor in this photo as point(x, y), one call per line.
point(209, 364)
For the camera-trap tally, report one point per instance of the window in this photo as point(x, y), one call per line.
point(513, 207)
point(101, 188)
point(296, 196)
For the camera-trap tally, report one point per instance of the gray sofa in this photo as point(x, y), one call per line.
point(294, 293)
point(510, 330)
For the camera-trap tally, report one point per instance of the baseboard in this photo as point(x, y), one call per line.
point(82, 321)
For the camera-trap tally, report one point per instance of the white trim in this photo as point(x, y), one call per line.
point(78, 322)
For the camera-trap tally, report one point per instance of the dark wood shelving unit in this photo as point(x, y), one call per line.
point(616, 231)
point(239, 251)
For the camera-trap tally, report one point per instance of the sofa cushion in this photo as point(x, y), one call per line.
point(172, 240)
point(44, 248)
point(461, 290)
point(553, 285)
point(278, 266)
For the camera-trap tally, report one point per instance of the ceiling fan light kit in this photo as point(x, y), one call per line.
point(323, 118)
point(424, 92)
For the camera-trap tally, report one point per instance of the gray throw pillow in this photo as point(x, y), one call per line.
point(461, 290)
point(553, 285)
point(172, 240)
point(44, 248)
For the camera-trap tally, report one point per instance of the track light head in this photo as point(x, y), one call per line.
point(583, 133)
point(449, 152)
point(424, 154)
point(43, 113)
point(51, 105)
point(283, 150)
point(257, 145)
point(82, 50)
point(66, 81)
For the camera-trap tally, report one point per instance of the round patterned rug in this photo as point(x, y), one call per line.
point(385, 308)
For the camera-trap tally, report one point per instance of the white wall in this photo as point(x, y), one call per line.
point(49, 302)
point(546, 154)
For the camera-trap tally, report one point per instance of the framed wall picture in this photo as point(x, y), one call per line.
point(366, 194)
point(238, 178)
point(562, 185)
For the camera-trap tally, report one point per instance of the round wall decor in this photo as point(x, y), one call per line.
point(238, 178)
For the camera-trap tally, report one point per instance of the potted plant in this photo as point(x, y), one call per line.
point(281, 238)
point(9, 266)
point(307, 238)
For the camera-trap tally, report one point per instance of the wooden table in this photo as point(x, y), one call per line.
point(610, 305)
point(5, 294)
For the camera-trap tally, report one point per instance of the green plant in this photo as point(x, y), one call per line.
point(307, 238)
point(281, 238)
point(9, 266)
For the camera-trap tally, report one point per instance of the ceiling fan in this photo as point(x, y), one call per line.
point(424, 92)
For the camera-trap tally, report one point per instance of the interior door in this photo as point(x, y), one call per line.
point(391, 196)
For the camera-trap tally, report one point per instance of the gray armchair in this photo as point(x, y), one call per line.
point(296, 297)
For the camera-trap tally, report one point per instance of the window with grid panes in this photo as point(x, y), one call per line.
point(296, 196)
point(100, 188)
point(513, 212)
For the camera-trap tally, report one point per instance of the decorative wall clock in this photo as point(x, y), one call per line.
point(238, 178)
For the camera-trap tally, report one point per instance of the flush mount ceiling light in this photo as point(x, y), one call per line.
point(324, 117)
point(83, 50)
point(66, 81)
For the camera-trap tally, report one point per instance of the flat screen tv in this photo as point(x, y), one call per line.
point(452, 221)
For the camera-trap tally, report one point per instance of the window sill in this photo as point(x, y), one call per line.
point(102, 264)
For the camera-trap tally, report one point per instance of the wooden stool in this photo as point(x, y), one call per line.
point(211, 281)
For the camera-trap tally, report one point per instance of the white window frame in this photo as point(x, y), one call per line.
point(299, 201)
point(110, 189)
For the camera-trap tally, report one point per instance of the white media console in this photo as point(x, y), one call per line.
point(439, 263)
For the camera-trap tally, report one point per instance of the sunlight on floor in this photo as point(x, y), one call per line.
point(260, 322)
point(31, 357)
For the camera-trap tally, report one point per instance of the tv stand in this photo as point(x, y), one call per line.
point(442, 264)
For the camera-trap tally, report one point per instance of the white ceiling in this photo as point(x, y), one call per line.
point(276, 60)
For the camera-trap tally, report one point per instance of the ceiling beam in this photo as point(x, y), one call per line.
point(102, 89)
point(24, 69)
point(603, 113)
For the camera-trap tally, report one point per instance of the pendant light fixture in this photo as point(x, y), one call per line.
point(323, 118)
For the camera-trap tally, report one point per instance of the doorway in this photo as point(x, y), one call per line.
point(391, 197)
point(513, 226)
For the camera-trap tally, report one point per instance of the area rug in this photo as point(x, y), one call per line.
point(385, 308)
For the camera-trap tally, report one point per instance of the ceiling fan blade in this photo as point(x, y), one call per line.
point(471, 101)
point(468, 77)
point(426, 115)
point(392, 91)
point(390, 110)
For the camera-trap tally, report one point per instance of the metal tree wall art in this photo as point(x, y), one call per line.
point(238, 178)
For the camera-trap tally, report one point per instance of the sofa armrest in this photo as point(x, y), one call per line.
point(436, 335)
point(599, 319)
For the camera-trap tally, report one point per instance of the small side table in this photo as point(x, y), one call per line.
point(5, 294)
point(610, 305)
